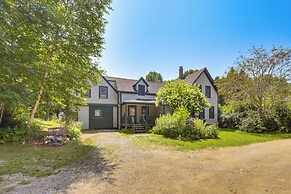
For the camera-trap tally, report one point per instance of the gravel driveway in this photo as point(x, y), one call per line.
point(121, 167)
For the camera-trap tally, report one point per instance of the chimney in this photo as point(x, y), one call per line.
point(181, 72)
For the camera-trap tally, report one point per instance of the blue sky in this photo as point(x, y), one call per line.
point(161, 35)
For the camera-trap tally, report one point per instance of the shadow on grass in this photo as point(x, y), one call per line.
point(68, 164)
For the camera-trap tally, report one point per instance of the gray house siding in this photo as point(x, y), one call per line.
point(204, 81)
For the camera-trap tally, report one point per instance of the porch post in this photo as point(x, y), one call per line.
point(126, 114)
point(147, 114)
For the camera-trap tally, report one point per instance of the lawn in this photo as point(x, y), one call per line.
point(227, 138)
point(47, 124)
point(41, 161)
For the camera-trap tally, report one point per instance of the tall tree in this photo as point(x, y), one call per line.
point(189, 71)
point(179, 94)
point(154, 77)
point(261, 77)
point(54, 42)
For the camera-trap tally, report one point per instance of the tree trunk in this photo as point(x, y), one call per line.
point(40, 92)
point(31, 117)
point(1, 112)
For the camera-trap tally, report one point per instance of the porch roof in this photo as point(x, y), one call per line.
point(140, 101)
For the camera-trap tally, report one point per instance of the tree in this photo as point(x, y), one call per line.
point(188, 72)
point(154, 77)
point(52, 44)
point(261, 78)
point(178, 94)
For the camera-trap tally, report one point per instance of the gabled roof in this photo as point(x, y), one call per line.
point(126, 85)
point(193, 77)
point(142, 80)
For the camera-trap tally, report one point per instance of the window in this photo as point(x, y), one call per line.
point(200, 86)
point(202, 114)
point(141, 90)
point(211, 112)
point(103, 92)
point(208, 91)
point(98, 113)
point(88, 94)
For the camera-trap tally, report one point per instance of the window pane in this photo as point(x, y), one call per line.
point(208, 91)
point(141, 90)
point(211, 112)
point(103, 92)
point(98, 113)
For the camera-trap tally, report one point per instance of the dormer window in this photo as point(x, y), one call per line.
point(141, 90)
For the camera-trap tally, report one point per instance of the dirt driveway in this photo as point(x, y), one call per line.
point(124, 168)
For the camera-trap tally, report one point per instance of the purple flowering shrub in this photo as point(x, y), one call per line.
point(177, 126)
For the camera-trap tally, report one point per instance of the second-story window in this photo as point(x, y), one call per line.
point(103, 92)
point(208, 91)
point(141, 90)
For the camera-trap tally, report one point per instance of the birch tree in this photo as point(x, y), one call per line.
point(54, 42)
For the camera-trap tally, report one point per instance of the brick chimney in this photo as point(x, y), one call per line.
point(181, 72)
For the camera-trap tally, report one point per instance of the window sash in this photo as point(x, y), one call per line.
point(98, 113)
point(211, 112)
point(208, 91)
point(141, 90)
point(103, 92)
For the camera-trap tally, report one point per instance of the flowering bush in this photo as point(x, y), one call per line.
point(174, 126)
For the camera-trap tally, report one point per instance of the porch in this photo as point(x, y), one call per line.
point(140, 113)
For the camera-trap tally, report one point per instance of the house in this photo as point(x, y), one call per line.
point(115, 102)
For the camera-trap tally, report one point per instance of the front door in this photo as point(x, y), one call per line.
point(132, 113)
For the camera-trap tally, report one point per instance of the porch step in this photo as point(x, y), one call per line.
point(139, 128)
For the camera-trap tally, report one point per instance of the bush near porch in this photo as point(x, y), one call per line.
point(177, 126)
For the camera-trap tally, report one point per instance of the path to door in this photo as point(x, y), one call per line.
point(257, 168)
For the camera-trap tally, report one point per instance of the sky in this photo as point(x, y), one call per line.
point(162, 35)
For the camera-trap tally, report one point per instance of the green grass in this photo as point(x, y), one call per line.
point(24, 182)
point(41, 161)
point(227, 138)
point(47, 124)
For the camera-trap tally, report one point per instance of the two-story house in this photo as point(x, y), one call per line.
point(116, 101)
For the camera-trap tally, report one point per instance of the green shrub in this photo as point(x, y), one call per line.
point(74, 129)
point(283, 117)
point(231, 119)
point(252, 123)
point(197, 129)
point(20, 133)
point(211, 132)
point(171, 125)
point(189, 132)
point(270, 123)
point(176, 126)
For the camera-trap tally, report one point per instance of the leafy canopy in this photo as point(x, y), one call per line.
point(178, 94)
point(46, 49)
point(260, 79)
point(189, 71)
point(154, 77)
